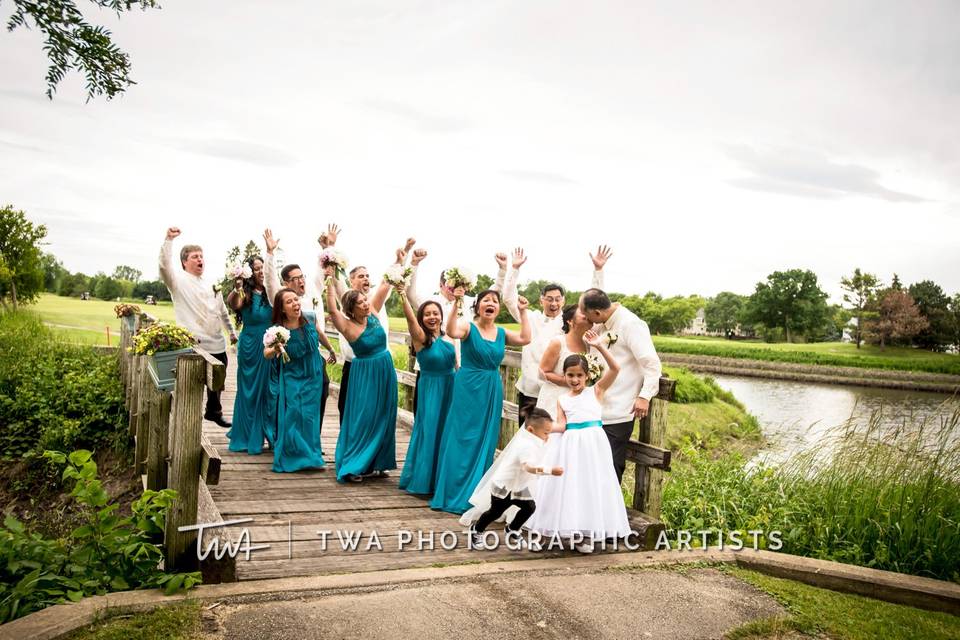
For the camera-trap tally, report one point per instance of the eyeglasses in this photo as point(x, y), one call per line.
point(553, 299)
point(297, 279)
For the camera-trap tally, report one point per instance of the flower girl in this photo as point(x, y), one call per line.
point(586, 501)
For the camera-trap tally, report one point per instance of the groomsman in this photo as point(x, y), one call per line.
point(445, 297)
point(291, 276)
point(199, 307)
point(630, 344)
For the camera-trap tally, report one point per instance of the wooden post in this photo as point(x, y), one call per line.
point(411, 362)
point(139, 371)
point(505, 431)
point(648, 482)
point(158, 444)
point(185, 452)
point(141, 425)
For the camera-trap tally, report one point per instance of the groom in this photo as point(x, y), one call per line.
point(631, 346)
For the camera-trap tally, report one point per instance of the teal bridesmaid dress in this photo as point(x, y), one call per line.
point(368, 440)
point(434, 395)
point(296, 387)
point(473, 425)
point(251, 414)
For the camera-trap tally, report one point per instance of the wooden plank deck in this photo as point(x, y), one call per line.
point(290, 509)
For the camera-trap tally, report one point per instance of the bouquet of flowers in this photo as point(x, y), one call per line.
point(159, 337)
point(595, 368)
point(277, 336)
point(123, 310)
point(398, 274)
point(335, 258)
point(239, 270)
point(460, 277)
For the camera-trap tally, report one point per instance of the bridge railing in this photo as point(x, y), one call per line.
point(171, 451)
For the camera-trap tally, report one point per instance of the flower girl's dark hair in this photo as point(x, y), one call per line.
point(576, 360)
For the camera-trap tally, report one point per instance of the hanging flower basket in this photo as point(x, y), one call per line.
point(164, 343)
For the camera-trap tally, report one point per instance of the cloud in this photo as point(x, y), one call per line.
point(809, 174)
point(240, 151)
point(538, 176)
point(422, 121)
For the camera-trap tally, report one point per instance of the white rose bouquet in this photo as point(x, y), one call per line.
point(595, 367)
point(336, 259)
point(239, 270)
point(398, 274)
point(277, 336)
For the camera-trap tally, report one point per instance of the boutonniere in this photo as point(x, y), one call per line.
point(315, 302)
point(611, 339)
point(217, 288)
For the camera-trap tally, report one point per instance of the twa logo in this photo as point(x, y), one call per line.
point(242, 545)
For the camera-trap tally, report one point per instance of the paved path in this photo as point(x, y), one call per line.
point(592, 604)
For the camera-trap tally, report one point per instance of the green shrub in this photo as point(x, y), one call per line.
point(54, 395)
point(106, 553)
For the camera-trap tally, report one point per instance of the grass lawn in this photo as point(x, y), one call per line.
point(823, 613)
point(86, 321)
point(822, 353)
point(175, 622)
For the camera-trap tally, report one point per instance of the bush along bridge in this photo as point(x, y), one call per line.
point(306, 523)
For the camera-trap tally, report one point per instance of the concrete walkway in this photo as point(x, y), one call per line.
point(593, 604)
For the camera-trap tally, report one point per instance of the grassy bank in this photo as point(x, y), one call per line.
point(822, 613)
point(838, 354)
point(864, 496)
point(86, 321)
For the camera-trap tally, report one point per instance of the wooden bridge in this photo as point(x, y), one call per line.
point(176, 449)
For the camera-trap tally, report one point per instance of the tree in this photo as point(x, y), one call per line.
point(897, 318)
point(21, 266)
point(154, 288)
point(791, 300)
point(955, 321)
point(53, 272)
point(723, 311)
point(934, 305)
point(861, 293)
point(73, 43)
point(123, 272)
point(108, 289)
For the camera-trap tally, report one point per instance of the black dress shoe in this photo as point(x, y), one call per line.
point(218, 420)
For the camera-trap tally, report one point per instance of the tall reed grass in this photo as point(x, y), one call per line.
point(871, 496)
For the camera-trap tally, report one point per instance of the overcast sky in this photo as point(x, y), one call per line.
point(709, 143)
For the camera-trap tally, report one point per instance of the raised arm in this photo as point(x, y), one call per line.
point(521, 338)
point(593, 339)
point(457, 328)
point(236, 296)
point(501, 259)
point(167, 272)
point(416, 257)
point(510, 288)
point(271, 279)
point(417, 335)
point(349, 330)
point(603, 254)
point(383, 290)
point(548, 363)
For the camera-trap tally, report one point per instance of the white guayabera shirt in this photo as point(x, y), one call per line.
point(196, 305)
point(640, 369)
point(310, 301)
point(542, 330)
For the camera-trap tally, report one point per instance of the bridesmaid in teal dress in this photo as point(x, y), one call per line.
point(295, 389)
point(366, 445)
point(473, 426)
point(438, 359)
point(250, 414)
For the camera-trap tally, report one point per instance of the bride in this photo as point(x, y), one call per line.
point(568, 343)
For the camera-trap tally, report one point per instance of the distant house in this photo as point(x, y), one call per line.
point(698, 326)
